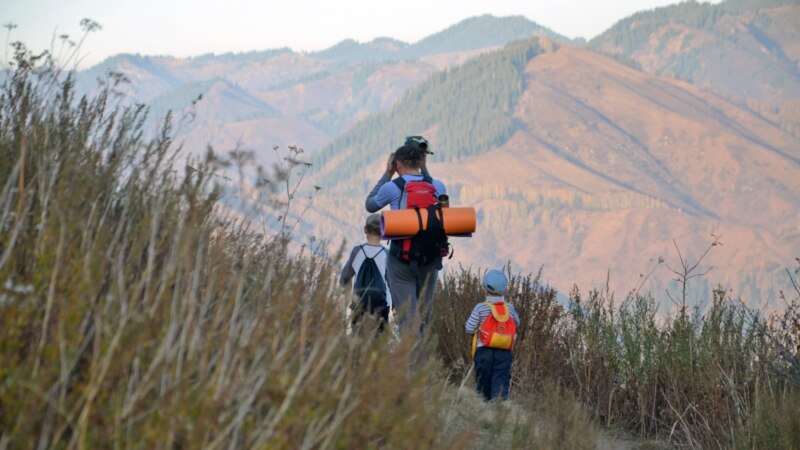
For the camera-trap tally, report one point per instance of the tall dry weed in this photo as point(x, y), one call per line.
point(712, 378)
point(134, 314)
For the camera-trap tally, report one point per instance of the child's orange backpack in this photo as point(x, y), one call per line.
point(498, 330)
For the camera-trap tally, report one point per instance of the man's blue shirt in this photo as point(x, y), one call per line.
point(386, 192)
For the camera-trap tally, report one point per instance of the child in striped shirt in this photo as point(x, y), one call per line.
point(492, 365)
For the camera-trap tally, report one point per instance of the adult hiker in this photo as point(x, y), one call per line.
point(366, 267)
point(412, 276)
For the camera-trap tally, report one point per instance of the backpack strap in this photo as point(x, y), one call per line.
point(501, 314)
point(365, 252)
point(399, 248)
point(400, 182)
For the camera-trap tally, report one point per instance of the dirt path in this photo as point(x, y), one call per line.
point(612, 440)
point(607, 441)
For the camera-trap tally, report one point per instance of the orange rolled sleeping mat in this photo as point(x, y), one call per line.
point(403, 223)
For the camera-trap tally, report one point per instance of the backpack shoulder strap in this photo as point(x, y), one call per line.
point(374, 256)
point(400, 182)
point(501, 314)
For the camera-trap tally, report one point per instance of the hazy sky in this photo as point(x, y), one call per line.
point(192, 27)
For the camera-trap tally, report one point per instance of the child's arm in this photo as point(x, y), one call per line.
point(474, 320)
point(514, 314)
point(348, 272)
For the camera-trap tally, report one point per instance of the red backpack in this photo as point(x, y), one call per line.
point(499, 329)
point(430, 243)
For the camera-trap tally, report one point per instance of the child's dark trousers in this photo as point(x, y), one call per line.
point(493, 372)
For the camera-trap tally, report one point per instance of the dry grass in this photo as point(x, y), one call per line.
point(552, 419)
point(134, 313)
point(719, 378)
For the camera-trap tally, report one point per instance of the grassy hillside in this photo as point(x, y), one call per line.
point(725, 377)
point(135, 313)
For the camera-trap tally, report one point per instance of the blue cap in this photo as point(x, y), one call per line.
point(495, 281)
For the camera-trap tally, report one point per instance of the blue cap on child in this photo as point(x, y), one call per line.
point(495, 281)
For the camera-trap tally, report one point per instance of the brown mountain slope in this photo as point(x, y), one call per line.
point(748, 51)
point(659, 137)
point(607, 167)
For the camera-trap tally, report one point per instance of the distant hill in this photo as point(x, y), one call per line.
point(590, 165)
point(481, 32)
point(746, 50)
point(241, 56)
point(146, 78)
point(314, 96)
point(380, 49)
point(229, 102)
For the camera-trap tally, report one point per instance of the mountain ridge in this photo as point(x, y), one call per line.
point(329, 93)
point(578, 160)
point(593, 157)
point(745, 50)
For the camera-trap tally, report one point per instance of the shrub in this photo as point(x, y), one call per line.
point(720, 377)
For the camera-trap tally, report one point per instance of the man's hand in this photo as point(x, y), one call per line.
point(422, 164)
point(391, 168)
